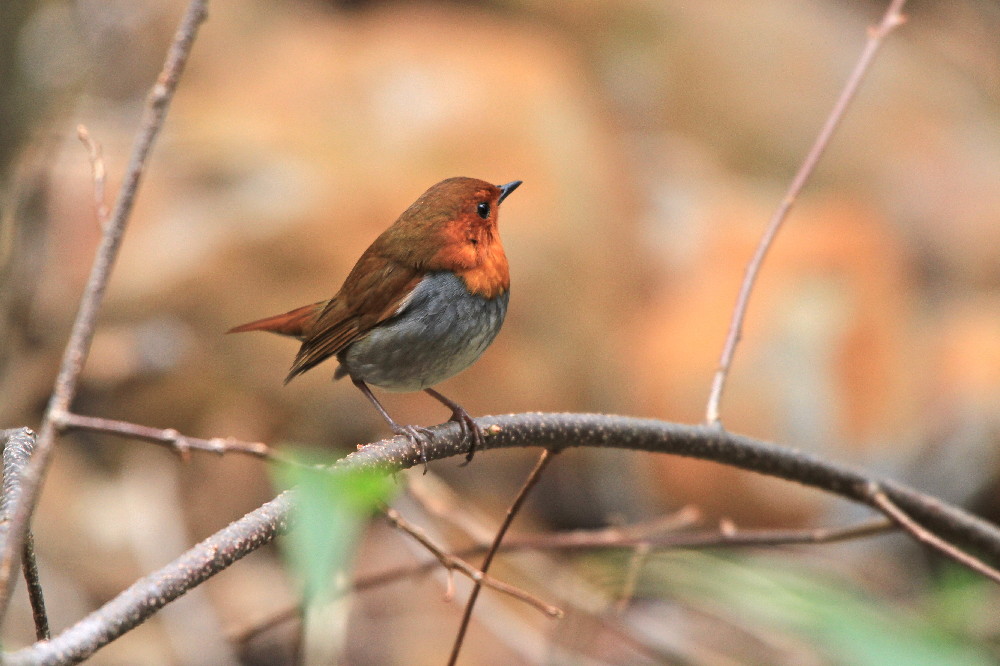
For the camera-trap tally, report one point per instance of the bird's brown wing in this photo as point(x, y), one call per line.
point(372, 293)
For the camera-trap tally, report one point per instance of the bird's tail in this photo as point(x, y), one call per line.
point(292, 323)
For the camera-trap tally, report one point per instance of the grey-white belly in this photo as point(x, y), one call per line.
point(439, 332)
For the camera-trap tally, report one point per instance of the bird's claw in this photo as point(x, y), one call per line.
point(470, 431)
point(419, 437)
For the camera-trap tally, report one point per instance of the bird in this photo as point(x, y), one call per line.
point(422, 303)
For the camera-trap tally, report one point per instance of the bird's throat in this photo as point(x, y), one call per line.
point(490, 276)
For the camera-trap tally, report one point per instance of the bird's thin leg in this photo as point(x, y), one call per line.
point(469, 427)
point(418, 436)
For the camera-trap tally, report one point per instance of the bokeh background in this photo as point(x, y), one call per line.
point(655, 138)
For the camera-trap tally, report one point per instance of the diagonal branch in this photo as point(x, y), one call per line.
point(889, 508)
point(515, 507)
point(455, 563)
point(551, 431)
point(82, 333)
point(893, 17)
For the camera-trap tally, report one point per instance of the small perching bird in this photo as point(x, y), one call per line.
point(421, 304)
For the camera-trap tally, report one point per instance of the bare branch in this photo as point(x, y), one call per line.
point(36, 598)
point(100, 174)
point(648, 533)
point(150, 593)
point(920, 534)
point(453, 563)
point(639, 556)
point(515, 507)
point(557, 431)
point(180, 444)
point(17, 448)
point(893, 17)
point(82, 333)
point(552, 431)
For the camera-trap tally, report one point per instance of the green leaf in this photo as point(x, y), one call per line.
point(331, 510)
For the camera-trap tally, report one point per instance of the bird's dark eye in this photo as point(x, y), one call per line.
point(483, 209)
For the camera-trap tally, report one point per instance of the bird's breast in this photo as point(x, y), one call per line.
point(441, 329)
point(482, 267)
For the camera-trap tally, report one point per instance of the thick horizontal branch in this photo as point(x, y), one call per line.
point(558, 431)
point(552, 431)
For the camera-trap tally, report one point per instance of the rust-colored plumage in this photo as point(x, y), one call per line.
point(385, 324)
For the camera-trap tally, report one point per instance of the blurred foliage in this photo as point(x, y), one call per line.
point(806, 608)
point(329, 517)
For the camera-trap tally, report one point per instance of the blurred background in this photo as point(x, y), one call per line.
point(655, 138)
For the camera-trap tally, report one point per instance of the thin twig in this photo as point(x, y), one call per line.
point(438, 500)
point(889, 508)
point(681, 518)
point(453, 563)
point(635, 563)
point(626, 536)
point(36, 598)
point(633, 536)
point(99, 173)
point(552, 431)
point(180, 444)
point(287, 614)
point(17, 449)
point(643, 534)
point(78, 346)
point(893, 17)
point(515, 507)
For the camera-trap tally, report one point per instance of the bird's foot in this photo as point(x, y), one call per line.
point(419, 437)
point(470, 431)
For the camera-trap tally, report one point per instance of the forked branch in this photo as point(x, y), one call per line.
point(78, 347)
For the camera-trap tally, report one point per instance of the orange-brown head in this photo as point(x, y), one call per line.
point(453, 226)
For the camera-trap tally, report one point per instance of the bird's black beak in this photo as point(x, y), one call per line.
point(507, 189)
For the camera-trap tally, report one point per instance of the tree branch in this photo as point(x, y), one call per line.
point(647, 533)
point(479, 577)
point(17, 447)
point(170, 438)
point(633, 536)
point(99, 173)
point(889, 508)
point(150, 593)
point(551, 431)
point(82, 333)
point(515, 507)
point(892, 18)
